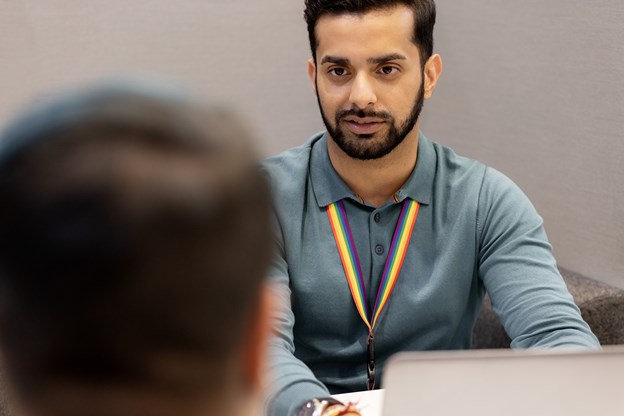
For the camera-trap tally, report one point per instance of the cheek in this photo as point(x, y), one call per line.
point(330, 100)
point(402, 99)
point(332, 93)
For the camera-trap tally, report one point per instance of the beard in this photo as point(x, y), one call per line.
point(364, 146)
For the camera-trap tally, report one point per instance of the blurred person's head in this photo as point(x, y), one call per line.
point(134, 239)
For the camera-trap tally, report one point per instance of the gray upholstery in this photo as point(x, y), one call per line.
point(601, 305)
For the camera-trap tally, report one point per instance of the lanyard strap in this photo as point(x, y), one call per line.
point(353, 271)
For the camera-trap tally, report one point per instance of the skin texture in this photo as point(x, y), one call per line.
point(368, 77)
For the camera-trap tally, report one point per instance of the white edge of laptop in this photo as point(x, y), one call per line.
point(555, 382)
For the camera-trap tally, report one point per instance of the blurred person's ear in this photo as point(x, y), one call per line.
point(255, 348)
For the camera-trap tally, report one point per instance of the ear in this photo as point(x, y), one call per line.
point(432, 72)
point(312, 72)
point(256, 345)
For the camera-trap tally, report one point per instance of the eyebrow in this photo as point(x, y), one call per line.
point(386, 58)
point(329, 59)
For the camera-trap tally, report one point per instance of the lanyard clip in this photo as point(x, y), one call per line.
point(370, 365)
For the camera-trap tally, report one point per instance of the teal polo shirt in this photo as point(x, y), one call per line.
point(475, 232)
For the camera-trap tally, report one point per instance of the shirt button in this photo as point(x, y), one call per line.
point(379, 249)
point(377, 217)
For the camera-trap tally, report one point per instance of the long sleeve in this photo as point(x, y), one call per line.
point(292, 382)
point(519, 271)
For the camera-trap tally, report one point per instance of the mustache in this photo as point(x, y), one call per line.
point(363, 113)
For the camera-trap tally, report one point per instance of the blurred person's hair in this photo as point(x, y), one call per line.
point(134, 238)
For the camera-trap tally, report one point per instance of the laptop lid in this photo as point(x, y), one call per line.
point(506, 382)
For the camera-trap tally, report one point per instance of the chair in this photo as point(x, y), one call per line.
point(601, 305)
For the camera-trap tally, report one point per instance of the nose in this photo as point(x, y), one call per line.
point(362, 91)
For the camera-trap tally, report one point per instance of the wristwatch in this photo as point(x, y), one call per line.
point(326, 406)
point(316, 406)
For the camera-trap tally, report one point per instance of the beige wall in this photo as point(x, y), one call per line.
point(536, 89)
point(533, 88)
point(250, 53)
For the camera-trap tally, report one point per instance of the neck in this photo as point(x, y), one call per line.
point(376, 180)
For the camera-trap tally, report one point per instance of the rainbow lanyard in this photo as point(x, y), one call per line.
point(353, 271)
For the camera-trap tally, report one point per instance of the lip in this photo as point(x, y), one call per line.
point(364, 125)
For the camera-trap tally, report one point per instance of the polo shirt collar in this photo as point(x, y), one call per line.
point(329, 187)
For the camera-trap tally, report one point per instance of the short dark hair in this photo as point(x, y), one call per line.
point(134, 231)
point(424, 18)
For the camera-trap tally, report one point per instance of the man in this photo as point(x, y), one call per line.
point(134, 238)
point(388, 241)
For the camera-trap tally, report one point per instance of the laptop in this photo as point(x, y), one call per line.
point(505, 382)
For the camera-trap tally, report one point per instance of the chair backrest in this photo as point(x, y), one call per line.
point(601, 305)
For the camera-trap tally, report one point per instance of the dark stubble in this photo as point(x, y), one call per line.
point(362, 146)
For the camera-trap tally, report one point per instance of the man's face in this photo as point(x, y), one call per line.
point(368, 80)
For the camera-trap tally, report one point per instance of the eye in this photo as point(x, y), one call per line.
point(388, 70)
point(338, 72)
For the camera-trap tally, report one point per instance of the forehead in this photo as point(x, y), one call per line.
point(377, 32)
